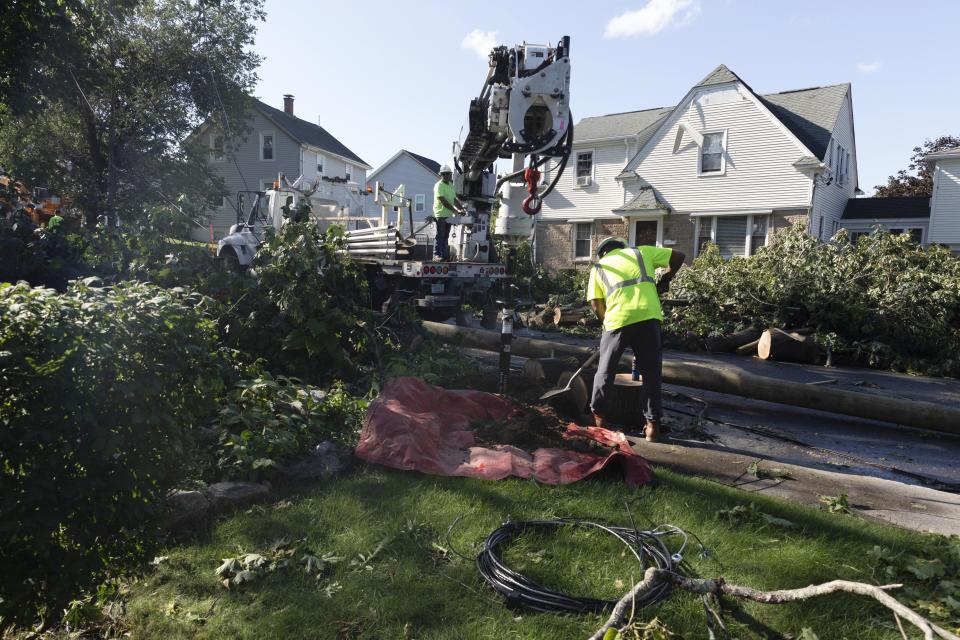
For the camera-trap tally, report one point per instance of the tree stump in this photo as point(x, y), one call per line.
point(777, 344)
point(548, 369)
point(730, 343)
point(624, 404)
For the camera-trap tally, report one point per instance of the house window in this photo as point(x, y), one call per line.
point(834, 226)
point(217, 200)
point(733, 235)
point(320, 161)
point(711, 155)
point(584, 168)
point(582, 240)
point(419, 203)
point(216, 148)
point(704, 233)
point(916, 233)
point(846, 168)
point(856, 235)
point(348, 172)
point(266, 146)
point(758, 232)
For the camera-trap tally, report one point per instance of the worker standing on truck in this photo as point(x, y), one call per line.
point(445, 204)
point(625, 297)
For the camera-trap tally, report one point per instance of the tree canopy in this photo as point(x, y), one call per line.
point(916, 179)
point(109, 122)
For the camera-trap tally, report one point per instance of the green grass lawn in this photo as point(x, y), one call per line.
point(416, 587)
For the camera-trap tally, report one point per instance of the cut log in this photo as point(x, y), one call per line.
point(729, 343)
point(565, 316)
point(749, 349)
point(548, 370)
point(540, 319)
point(913, 413)
point(589, 321)
point(777, 344)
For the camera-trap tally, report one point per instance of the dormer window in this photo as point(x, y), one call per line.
point(711, 153)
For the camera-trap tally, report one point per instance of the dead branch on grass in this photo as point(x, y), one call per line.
point(717, 586)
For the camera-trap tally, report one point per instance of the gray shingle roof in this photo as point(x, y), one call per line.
point(643, 201)
point(883, 208)
point(617, 125)
point(810, 113)
point(719, 75)
point(433, 165)
point(307, 132)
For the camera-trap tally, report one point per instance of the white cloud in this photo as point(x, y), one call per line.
point(654, 17)
point(480, 42)
point(868, 67)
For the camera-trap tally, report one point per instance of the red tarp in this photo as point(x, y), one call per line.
point(419, 427)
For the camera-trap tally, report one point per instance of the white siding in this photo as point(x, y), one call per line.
point(830, 200)
point(415, 178)
point(945, 204)
point(600, 198)
point(759, 157)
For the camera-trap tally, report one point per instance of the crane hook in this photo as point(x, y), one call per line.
point(532, 204)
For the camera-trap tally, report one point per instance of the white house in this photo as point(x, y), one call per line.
point(278, 142)
point(725, 164)
point(933, 220)
point(945, 203)
point(418, 174)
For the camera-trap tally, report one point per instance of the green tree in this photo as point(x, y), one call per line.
point(916, 179)
point(142, 76)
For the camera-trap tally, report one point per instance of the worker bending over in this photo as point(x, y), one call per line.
point(445, 204)
point(625, 297)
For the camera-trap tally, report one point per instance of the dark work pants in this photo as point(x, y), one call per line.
point(443, 235)
point(644, 339)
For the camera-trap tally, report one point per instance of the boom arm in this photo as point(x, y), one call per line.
point(523, 113)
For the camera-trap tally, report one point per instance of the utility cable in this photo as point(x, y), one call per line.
point(647, 547)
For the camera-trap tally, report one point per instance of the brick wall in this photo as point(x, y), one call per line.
point(553, 245)
point(782, 220)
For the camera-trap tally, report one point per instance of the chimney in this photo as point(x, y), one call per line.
point(288, 104)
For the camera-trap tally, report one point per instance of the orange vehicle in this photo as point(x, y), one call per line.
point(39, 206)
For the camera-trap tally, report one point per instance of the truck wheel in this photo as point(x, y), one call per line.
point(231, 262)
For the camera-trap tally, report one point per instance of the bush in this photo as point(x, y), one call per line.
point(101, 390)
point(311, 319)
point(266, 422)
point(884, 301)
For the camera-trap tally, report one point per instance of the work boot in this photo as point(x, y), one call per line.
point(599, 421)
point(651, 431)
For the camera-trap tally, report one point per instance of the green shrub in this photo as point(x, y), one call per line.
point(312, 319)
point(100, 390)
point(884, 301)
point(265, 422)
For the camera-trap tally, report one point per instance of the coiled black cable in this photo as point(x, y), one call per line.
point(521, 592)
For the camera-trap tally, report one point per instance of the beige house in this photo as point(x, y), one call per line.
point(725, 165)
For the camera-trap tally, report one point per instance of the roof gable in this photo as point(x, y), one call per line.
point(307, 132)
point(430, 165)
point(810, 115)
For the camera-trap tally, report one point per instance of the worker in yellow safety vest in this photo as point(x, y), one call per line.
point(445, 204)
point(625, 296)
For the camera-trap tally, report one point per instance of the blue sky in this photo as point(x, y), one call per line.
point(388, 75)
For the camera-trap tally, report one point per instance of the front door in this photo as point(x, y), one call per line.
point(645, 232)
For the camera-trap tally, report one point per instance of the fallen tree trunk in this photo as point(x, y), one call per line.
point(548, 369)
point(717, 586)
point(563, 317)
point(777, 344)
point(730, 343)
point(749, 349)
point(922, 415)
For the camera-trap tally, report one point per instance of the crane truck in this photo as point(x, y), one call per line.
point(522, 114)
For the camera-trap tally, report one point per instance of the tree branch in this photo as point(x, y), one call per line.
point(718, 586)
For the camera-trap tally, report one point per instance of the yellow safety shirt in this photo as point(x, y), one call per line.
point(623, 279)
point(443, 190)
